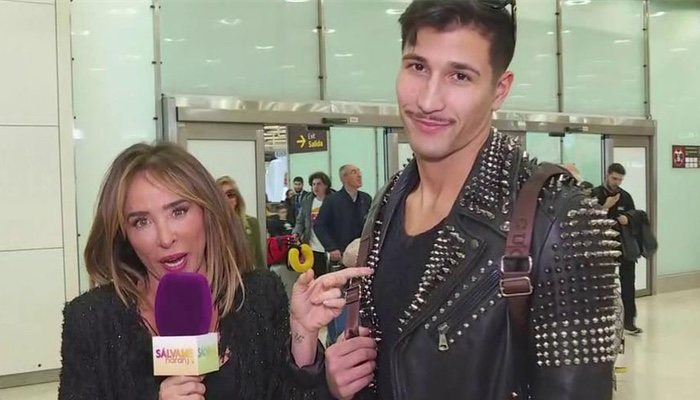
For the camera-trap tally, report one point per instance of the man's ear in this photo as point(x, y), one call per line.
point(505, 82)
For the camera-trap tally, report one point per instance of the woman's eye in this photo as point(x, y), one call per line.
point(179, 212)
point(140, 223)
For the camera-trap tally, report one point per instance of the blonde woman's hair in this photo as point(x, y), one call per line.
point(110, 258)
point(240, 203)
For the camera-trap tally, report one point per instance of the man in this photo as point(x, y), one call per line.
point(618, 201)
point(339, 222)
point(435, 325)
point(305, 227)
point(342, 215)
point(299, 195)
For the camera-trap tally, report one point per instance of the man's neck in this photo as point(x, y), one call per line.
point(352, 192)
point(436, 186)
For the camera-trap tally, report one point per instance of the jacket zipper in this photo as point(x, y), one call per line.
point(444, 291)
point(471, 302)
point(442, 338)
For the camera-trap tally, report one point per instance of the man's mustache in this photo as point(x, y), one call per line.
point(421, 115)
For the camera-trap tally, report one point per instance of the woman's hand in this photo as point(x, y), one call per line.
point(182, 388)
point(316, 302)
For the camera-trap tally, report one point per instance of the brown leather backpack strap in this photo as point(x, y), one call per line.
point(516, 263)
point(352, 293)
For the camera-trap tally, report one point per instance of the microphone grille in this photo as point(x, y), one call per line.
point(183, 304)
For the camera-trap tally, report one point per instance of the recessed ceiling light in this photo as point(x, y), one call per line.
point(658, 14)
point(225, 21)
point(395, 11)
point(577, 2)
point(288, 66)
point(173, 40)
point(296, 1)
point(343, 55)
point(550, 33)
point(328, 30)
point(622, 41)
point(679, 49)
point(212, 61)
point(264, 47)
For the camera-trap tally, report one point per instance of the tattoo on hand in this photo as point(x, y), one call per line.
point(298, 338)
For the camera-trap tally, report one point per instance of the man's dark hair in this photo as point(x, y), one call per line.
point(323, 177)
point(585, 185)
point(496, 25)
point(298, 179)
point(616, 169)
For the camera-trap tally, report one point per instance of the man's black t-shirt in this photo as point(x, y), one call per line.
point(624, 204)
point(401, 265)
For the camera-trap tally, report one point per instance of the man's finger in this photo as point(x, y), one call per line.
point(347, 346)
point(364, 332)
point(359, 372)
point(359, 357)
point(356, 386)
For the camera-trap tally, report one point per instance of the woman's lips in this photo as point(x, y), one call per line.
point(174, 262)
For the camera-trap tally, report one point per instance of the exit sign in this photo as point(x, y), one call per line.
point(302, 139)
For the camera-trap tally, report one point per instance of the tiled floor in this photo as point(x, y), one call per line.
point(662, 363)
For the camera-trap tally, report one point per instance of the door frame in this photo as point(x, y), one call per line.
point(215, 131)
point(647, 143)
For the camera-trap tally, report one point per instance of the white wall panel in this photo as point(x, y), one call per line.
point(30, 215)
point(31, 318)
point(28, 69)
point(113, 91)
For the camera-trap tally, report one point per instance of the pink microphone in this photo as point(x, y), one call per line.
point(183, 305)
point(183, 316)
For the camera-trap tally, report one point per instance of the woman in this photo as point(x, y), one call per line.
point(250, 224)
point(304, 228)
point(159, 211)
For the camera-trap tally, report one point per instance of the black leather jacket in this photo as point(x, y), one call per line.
point(457, 341)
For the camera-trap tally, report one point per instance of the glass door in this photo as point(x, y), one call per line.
point(634, 154)
point(543, 146)
point(236, 150)
point(585, 151)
